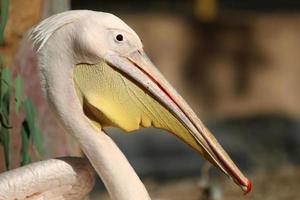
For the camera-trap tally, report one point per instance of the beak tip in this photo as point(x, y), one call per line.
point(248, 187)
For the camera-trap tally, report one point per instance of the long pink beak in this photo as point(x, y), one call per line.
point(139, 68)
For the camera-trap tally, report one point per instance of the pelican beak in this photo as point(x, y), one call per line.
point(139, 69)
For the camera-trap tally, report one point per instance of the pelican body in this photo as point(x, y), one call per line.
point(95, 74)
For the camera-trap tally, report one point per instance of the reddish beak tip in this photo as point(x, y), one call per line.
point(248, 189)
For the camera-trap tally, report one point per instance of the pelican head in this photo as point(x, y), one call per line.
point(102, 59)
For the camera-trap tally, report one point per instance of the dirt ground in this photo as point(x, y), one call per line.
point(279, 184)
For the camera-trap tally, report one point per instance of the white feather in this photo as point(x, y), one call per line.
point(44, 30)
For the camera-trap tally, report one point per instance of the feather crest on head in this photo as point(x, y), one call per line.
point(40, 34)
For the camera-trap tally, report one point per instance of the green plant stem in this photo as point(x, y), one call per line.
point(4, 16)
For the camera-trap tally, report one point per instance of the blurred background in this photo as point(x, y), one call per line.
point(237, 64)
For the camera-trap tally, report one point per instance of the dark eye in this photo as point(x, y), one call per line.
point(119, 37)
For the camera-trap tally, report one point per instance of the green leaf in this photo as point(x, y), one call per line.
point(5, 98)
point(33, 130)
point(6, 106)
point(29, 114)
point(4, 15)
point(5, 112)
point(5, 143)
point(18, 93)
point(5, 81)
point(4, 121)
point(37, 141)
point(24, 153)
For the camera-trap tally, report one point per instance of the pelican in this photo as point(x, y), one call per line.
point(95, 74)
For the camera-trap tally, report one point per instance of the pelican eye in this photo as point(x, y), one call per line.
point(119, 37)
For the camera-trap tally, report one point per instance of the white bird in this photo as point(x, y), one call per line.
point(95, 74)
